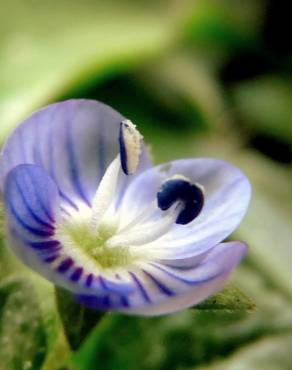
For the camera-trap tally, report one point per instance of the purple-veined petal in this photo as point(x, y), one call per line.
point(74, 141)
point(163, 289)
point(32, 205)
point(32, 202)
point(32, 208)
point(227, 195)
point(167, 289)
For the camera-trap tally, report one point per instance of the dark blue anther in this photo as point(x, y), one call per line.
point(181, 190)
point(123, 151)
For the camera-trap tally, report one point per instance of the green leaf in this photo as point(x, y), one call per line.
point(230, 298)
point(83, 318)
point(22, 334)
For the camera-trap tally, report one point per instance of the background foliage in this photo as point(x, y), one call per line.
point(200, 78)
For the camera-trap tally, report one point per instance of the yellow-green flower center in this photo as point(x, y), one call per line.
point(94, 245)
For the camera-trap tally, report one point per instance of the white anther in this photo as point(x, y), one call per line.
point(130, 147)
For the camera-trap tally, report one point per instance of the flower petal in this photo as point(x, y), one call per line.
point(163, 289)
point(227, 195)
point(32, 208)
point(167, 289)
point(32, 205)
point(74, 141)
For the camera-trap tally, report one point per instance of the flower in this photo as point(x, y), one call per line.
point(86, 209)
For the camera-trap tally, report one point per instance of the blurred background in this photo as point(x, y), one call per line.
point(200, 78)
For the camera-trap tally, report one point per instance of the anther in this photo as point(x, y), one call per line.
point(130, 141)
point(180, 189)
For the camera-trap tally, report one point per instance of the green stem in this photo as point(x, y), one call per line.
point(78, 321)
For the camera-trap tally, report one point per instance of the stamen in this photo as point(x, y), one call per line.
point(141, 217)
point(180, 189)
point(130, 147)
point(146, 234)
point(128, 159)
point(105, 193)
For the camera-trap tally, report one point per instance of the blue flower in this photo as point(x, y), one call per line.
point(86, 209)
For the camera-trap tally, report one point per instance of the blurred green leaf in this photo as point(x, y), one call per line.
point(267, 227)
point(273, 312)
point(186, 84)
point(223, 24)
point(272, 353)
point(265, 104)
point(55, 339)
point(22, 334)
point(231, 298)
point(2, 215)
point(8, 264)
point(47, 50)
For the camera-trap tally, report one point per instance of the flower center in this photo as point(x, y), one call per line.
point(94, 245)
